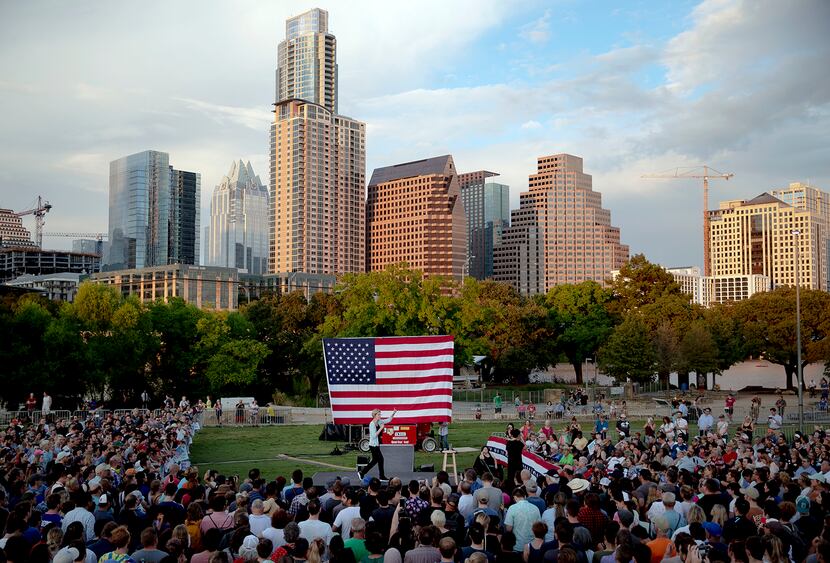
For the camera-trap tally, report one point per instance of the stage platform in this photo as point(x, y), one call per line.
point(322, 477)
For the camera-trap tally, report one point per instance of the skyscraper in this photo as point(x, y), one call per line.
point(560, 233)
point(153, 213)
point(318, 159)
point(185, 217)
point(757, 237)
point(238, 235)
point(414, 214)
point(487, 207)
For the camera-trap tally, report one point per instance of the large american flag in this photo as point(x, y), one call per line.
point(410, 373)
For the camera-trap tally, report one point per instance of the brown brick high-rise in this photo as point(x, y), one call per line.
point(414, 214)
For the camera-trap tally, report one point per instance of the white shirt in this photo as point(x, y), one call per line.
point(83, 516)
point(276, 536)
point(258, 523)
point(774, 422)
point(47, 404)
point(466, 505)
point(313, 529)
point(344, 520)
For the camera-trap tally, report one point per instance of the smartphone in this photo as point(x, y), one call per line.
point(403, 503)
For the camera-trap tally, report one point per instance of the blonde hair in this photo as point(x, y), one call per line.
point(438, 519)
point(315, 551)
point(695, 514)
point(719, 515)
point(476, 557)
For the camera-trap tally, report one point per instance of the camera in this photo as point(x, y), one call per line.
point(703, 550)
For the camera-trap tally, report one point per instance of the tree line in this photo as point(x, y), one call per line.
point(640, 327)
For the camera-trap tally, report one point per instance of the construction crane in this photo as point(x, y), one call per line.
point(98, 237)
point(706, 173)
point(39, 212)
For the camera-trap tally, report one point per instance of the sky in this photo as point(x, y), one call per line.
point(632, 87)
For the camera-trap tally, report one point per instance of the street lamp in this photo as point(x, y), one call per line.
point(796, 234)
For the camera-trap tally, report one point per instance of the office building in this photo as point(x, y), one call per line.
point(12, 232)
point(185, 216)
point(487, 207)
point(153, 212)
point(62, 286)
point(810, 198)
point(414, 214)
point(757, 236)
point(238, 234)
point(318, 160)
point(253, 286)
point(706, 290)
point(88, 246)
point(560, 233)
point(205, 287)
point(15, 262)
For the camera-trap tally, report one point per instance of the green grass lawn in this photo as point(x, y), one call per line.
point(236, 450)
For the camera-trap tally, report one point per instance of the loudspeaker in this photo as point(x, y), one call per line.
point(363, 459)
point(428, 468)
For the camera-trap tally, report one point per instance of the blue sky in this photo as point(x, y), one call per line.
point(632, 87)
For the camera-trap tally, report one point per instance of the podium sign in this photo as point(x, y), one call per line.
point(399, 434)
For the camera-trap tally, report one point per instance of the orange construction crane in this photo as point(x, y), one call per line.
point(39, 211)
point(707, 173)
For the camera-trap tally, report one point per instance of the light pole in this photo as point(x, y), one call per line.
point(796, 234)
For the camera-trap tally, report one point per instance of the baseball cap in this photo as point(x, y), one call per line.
point(453, 498)
point(750, 492)
point(103, 499)
point(713, 528)
point(818, 477)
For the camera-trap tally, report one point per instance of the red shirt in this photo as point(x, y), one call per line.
point(730, 402)
point(730, 457)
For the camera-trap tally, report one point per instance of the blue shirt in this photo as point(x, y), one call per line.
point(521, 516)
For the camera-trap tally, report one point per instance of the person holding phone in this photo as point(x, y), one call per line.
point(375, 428)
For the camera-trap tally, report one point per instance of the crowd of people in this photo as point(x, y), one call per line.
point(121, 489)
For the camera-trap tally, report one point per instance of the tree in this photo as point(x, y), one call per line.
point(698, 352)
point(629, 352)
point(641, 283)
point(768, 326)
point(235, 364)
point(581, 320)
point(666, 351)
point(493, 320)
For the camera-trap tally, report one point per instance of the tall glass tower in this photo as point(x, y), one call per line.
point(153, 213)
point(318, 159)
point(306, 60)
point(238, 235)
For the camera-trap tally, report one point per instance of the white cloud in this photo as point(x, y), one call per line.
point(537, 31)
point(252, 118)
point(531, 124)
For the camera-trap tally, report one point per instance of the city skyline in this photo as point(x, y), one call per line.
point(632, 90)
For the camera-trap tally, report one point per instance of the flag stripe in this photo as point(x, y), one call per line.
point(394, 358)
point(414, 350)
point(415, 367)
point(445, 385)
point(414, 375)
point(408, 380)
point(388, 394)
point(420, 405)
point(360, 418)
point(411, 374)
point(412, 340)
